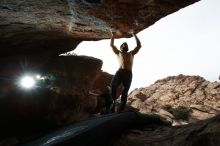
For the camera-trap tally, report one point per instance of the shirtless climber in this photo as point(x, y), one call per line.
point(124, 74)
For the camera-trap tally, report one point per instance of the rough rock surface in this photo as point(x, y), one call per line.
point(202, 133)
point(57, 102)
point(102, 82)
point(52, 27)
point(199, 96)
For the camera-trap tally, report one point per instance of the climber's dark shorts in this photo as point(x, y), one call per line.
point(124, 77)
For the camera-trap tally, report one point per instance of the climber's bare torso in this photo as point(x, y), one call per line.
point(125, 60)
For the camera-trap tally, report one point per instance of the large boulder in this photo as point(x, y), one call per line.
point(202, 133)
point(61, 100)
point(51, 27)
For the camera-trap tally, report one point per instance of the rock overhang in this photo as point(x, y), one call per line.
point(53, 27)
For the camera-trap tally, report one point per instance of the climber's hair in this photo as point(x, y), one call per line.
point(124, 47)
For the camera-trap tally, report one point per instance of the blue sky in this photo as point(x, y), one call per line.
point(186, 42)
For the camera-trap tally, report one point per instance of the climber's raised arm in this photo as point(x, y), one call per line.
point(115, 50)
point(137, 48)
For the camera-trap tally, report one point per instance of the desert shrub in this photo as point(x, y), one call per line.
point(180, 113)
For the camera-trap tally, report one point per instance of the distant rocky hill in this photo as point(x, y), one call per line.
point(181, 99)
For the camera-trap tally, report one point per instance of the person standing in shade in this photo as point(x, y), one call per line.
point(124, 74)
